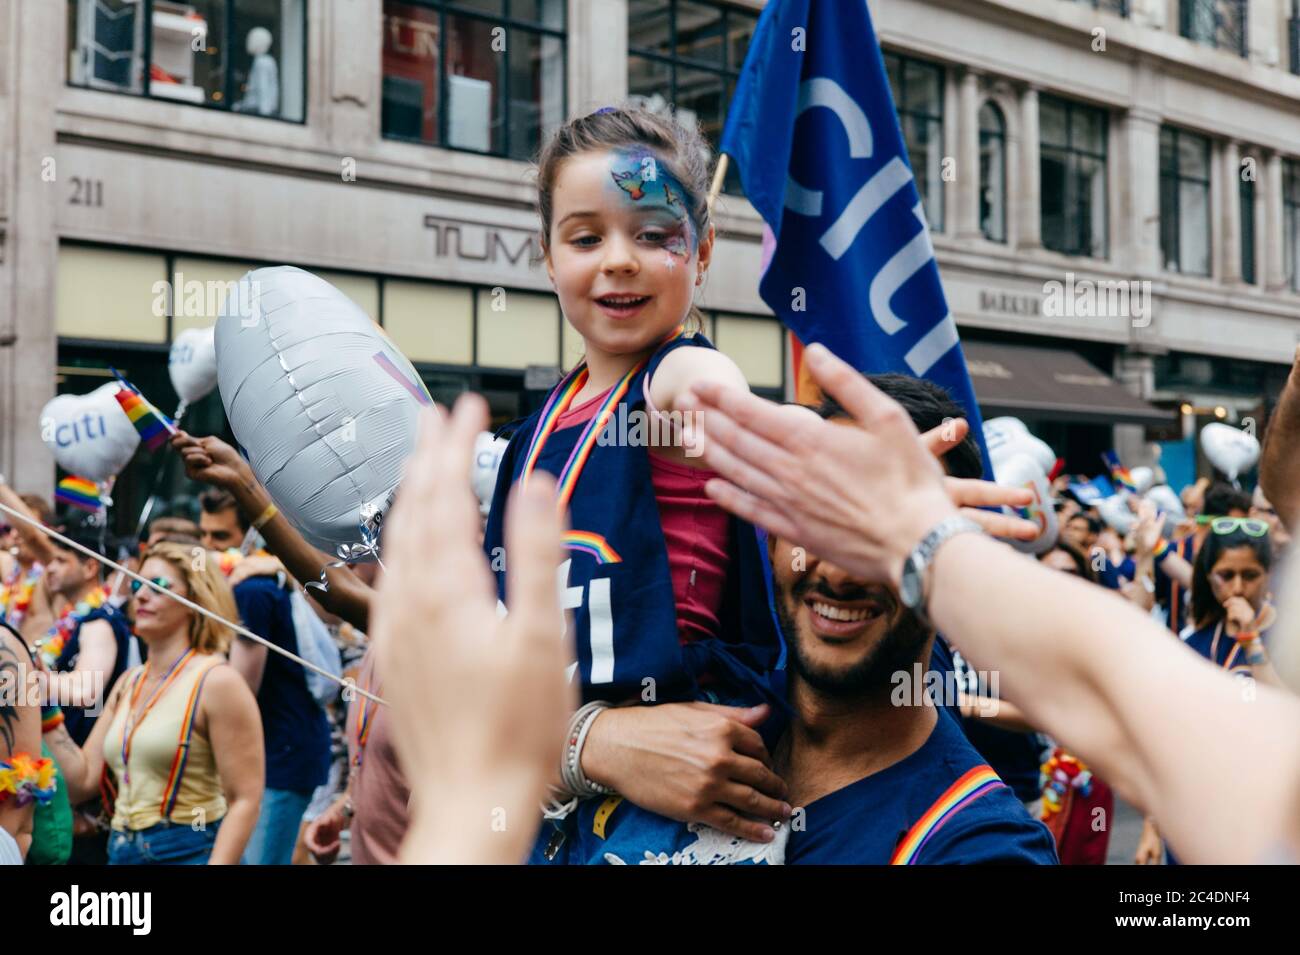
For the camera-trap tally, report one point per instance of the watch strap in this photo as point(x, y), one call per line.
point(923, 554)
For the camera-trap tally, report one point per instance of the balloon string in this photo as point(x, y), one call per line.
point(242, 631)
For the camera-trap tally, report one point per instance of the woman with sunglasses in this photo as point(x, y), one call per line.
point(181, 734)
point(1230, 588)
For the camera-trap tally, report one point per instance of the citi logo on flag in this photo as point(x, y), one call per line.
point(814, 135)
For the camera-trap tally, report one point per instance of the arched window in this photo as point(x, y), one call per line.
point(993, 173)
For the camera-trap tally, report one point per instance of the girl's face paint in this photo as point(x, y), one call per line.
point(623, 252)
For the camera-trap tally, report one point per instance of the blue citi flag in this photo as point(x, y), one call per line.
point(813, 133)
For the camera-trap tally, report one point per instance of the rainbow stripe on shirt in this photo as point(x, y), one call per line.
point(591, 543)
point(976, 782)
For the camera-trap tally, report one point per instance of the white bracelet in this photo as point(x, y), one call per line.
point(573, 779)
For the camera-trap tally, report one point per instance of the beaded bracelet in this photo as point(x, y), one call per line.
point(26, 780)
point(572, 777)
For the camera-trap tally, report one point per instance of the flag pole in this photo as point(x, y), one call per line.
point(719, 175)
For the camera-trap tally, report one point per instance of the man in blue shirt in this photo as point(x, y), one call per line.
point(881, 774)
point(295, 727)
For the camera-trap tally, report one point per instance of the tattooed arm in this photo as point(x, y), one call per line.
point(20, 727)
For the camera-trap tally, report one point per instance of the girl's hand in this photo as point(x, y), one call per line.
point(1239, 614)
point(694, 762)
point(861, 497)
point(1146, 535)
point(480, 702)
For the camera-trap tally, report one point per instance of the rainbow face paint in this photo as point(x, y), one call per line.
point(640, 179)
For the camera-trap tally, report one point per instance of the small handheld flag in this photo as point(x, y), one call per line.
point(79, 493)
point(152, 424)
point(1118, 472)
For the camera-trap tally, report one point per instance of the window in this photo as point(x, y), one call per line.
point(1185, 201)
point(247, 56)
point(1117, 7)
point(691, 53)
point(1293, 30)
point(1291, 221)
point(1246, 197)
point(918, 98)
point(1218, 23)
point(1072, 171)
point(993, 173)
point(482, 75)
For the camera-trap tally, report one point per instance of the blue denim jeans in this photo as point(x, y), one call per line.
point(167, 843)
point(276, 832)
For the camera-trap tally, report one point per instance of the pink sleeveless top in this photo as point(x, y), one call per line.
point(696, 531)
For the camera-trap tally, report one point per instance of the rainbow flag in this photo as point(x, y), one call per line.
point(153, 425)
point(1118, 472)
point(78, 492)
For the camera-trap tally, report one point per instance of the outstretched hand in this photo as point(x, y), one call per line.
point(862, 497)
point(480, 702)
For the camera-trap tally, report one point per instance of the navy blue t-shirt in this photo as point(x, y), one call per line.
point(1112, 575)
point(295, 727)
point(863, 823)
point(78, 723)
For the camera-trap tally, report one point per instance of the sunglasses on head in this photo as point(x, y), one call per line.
point(1250, 526)
point(162, 582)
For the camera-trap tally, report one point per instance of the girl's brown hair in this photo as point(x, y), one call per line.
point(681, 148)
point(207, 587)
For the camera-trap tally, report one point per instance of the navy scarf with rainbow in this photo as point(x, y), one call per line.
point(615, 576)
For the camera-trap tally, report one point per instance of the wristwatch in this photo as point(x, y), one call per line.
point(912, 588)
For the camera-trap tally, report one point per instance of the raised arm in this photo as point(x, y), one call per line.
point(36, 542)
point(212, 461)
point(1215, 760)
point(1280, 461)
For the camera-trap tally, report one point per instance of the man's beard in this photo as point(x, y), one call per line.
point(897, 650)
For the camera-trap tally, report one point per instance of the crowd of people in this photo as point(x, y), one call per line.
point(784, 634)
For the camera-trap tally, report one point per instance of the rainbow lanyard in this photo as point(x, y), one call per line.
point(1214, 647)
point(132, 721)
point(558, 403)
point(365, 717)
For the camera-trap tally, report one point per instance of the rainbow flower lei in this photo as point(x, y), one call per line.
point(50, 646)
point(16, 594)
point(1059, 774)
point(26, 779)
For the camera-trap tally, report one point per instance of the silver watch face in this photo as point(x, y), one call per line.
point(910, 585)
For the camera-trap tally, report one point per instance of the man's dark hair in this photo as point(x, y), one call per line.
point(214, 500)
point(81, 531)
point(929, 406)
point(1222, 499)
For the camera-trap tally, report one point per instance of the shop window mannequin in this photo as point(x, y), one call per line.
point(263, 93)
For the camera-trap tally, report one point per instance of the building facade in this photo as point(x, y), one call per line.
point(1115, 183)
